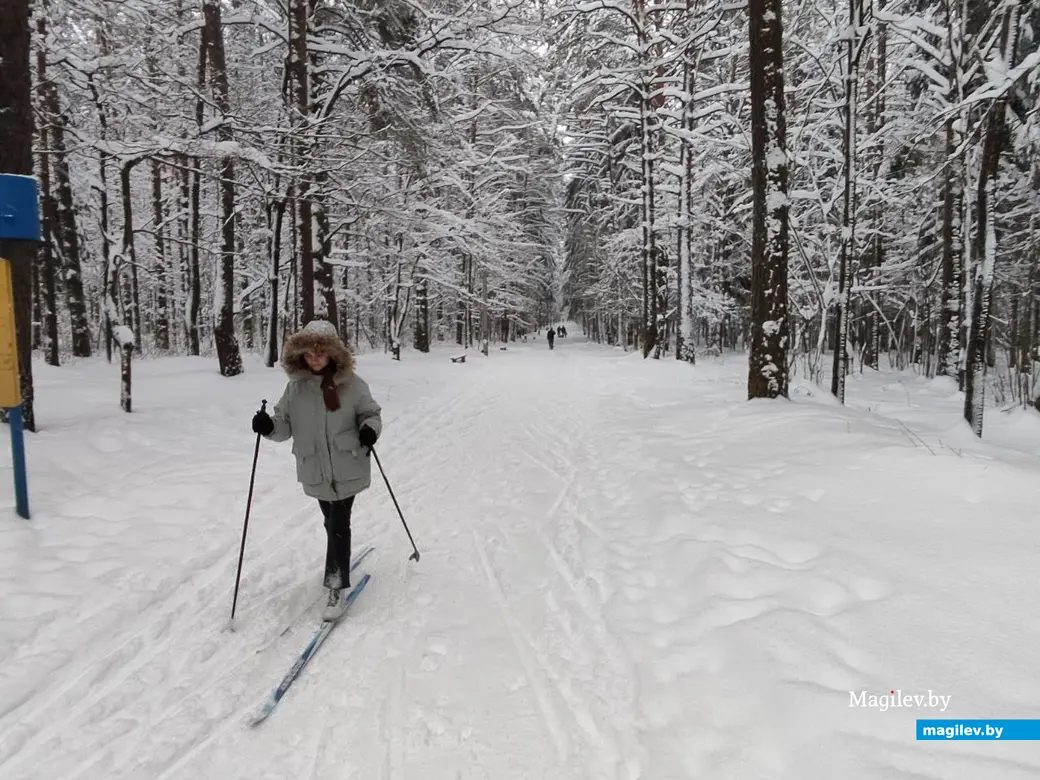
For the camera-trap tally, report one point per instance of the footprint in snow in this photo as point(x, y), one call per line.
point(517, 685)
point(433, 657)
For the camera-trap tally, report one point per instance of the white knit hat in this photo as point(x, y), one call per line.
point(321, 328)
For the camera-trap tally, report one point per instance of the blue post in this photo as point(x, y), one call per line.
point(21, 485)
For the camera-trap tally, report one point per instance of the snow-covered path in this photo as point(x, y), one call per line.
point(627, 572)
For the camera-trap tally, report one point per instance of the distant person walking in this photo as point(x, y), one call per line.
point(551, 335)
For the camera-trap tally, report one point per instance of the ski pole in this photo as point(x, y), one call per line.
point(245, 526)
point(415, 555)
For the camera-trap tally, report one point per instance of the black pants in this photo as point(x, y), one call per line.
point(337, 553)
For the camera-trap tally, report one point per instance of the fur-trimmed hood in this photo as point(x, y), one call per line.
point(321, 335)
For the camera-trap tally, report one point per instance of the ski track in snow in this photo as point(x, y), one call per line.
point(625, 575)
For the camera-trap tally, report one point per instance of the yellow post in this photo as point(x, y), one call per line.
point(10, 390)
point(19, 221)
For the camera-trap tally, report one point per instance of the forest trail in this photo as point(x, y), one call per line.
point(628, 572)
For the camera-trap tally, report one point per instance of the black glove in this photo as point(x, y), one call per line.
point(367, 436)
point(263, 424)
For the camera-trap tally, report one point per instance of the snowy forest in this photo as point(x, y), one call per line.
point(829, 187)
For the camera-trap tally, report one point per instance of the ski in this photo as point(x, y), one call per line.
point(304, 657)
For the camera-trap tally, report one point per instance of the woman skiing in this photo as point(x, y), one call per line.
point(329, 413)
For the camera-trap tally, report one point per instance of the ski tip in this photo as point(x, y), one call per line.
point(256, 718)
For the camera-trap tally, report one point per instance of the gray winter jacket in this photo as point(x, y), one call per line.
point(331, 464)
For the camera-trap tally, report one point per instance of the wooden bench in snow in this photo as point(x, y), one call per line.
point(459, 359)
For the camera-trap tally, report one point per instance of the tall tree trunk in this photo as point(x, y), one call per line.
point(47, 261)
point(128, 251)
point(952, 294)
point(124, 336)
point(485, 315)
point(1031, 332)
point(275, 251)
point(228, 355)
point(47, 296)
point(985, 253)
point(16, 130)
point(648, 251)
point(194, 280)
point(1024, 332)
point(872, 353)
point(301, 87)
point(292, 288)
point(65, 228)
point(189, 281)
point(128, 256)
point(421, 340)
point(684, 344)
point(952, 255)
point(460, 316)
point(323, 251)
point(767, 369)
point(848, 228)
point(162, 311)
point(108, 273)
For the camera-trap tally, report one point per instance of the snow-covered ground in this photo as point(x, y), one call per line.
point(628, 571)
